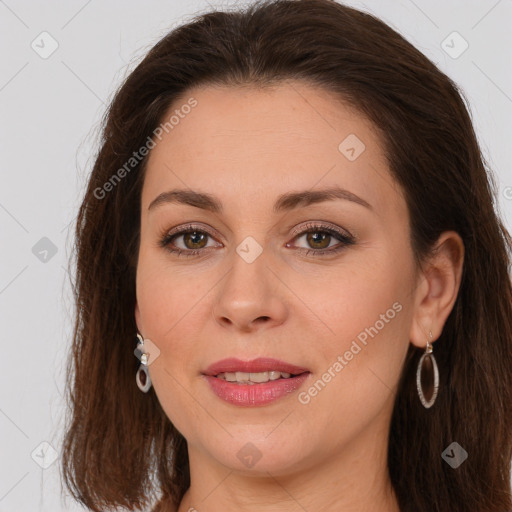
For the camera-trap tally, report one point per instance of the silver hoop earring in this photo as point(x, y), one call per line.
point(427, 364)
point(142, 376)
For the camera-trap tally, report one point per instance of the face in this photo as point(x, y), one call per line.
point(324, 284)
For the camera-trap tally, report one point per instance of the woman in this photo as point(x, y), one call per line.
point(292, 286)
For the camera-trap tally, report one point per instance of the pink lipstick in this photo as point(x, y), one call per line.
point(254, 383)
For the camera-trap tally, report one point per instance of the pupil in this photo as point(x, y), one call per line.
point(322, 237)
point(194, 234)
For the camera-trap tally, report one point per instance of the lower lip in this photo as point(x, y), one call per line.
point(249, 395)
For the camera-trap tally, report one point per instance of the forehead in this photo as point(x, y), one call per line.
point(250, 144)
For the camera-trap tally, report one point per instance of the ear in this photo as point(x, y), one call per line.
point(438, 287)
point(137, 318)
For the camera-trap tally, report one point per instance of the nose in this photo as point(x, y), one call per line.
point(250, 297)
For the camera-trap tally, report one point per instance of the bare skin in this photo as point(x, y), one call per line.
point(247, 147)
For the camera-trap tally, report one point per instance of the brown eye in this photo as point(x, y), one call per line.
point(317, 240)
point(194, 239)
point(189, 241)
point(319, 237)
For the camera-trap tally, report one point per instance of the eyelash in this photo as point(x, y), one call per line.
point(345, 239)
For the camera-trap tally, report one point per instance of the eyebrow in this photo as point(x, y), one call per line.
point(286, 202)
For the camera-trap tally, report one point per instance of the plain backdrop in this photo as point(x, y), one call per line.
point(50, 107)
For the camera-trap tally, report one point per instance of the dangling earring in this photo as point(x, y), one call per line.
point(142, 376)
point(428, 363)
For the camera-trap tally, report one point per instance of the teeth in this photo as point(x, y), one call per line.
point(243, 377)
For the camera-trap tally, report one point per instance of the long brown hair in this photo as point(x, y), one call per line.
point(120, 449)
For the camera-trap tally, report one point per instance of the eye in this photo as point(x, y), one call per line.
point(194, 240)
point(317, 236)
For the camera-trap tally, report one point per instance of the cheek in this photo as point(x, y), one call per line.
point(364, 347)
point(345, 300)
point(357, 383)
point(167, 295)
point(171, 311)
point(171, 306)
point(170, 317)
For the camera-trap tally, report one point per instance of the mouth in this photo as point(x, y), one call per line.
point(246, 393)
point(257, 370)
point(255, 378)
point(252, 383)
point(244, 378)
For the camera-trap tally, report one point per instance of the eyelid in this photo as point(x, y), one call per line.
point(190, 226)
point(344, 238)
point(319, 225)
point(297, 230)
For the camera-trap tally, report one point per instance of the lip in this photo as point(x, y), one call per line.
point(251, 395)
point(261, 364)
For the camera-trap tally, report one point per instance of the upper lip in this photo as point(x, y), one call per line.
point(261, 364)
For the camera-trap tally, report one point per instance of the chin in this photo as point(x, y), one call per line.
point(260, 455)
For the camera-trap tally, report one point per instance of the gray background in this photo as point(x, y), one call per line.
point(50, 109)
